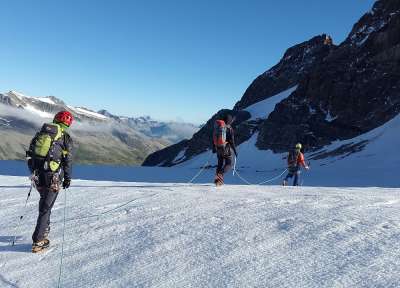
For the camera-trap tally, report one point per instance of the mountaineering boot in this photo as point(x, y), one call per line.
point(219, 179)
point(40, 246)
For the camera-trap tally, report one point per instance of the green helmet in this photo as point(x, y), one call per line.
point(298, 146)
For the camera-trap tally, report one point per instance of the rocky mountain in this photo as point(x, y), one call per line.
point(100, 137)
point(354, 90)
point(318, 93)
point(295, 64)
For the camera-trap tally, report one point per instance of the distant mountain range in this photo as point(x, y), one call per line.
point(100, 137)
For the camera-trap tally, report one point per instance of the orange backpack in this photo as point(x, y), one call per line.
point(219, 134)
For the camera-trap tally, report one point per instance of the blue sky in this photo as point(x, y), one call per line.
point(172, 60)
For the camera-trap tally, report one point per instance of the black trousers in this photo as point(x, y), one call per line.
point(46, 203)
point(225, 159)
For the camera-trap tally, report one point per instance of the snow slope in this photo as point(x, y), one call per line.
point(175, 235)
point(262, 109)
point(376, 164)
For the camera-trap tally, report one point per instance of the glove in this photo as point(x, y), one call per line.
point(66, 183)
point(30, 165)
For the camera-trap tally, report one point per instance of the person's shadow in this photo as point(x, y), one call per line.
point(17, 247)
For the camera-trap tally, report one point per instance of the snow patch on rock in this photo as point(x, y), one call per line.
point(88, 113)
point(45, 100)
point(262, 109)
point(180, 157)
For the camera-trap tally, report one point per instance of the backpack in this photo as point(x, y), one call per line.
point(292, 158)
point(42, 144)
point(219, 134)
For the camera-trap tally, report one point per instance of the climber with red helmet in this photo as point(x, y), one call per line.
point(50, 162)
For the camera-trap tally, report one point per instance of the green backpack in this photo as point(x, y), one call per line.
point(44, 141)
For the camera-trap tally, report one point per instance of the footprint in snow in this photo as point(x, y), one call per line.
point(285, 225)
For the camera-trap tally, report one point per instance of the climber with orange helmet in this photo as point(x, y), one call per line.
point(50, 162)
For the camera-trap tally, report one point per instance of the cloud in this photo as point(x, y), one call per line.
point(36, 120)
point(11, 112)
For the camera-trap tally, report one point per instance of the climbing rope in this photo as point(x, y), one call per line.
point(274, 178)
point(111, 210)
point(63, 238)
point(241, 178)
point(85, 217)
point(200, 172)
point(261, 183)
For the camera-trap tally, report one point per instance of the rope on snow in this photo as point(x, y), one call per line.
point(274, 178)
point(200, 172)
point(63, 238)
point(261, 183)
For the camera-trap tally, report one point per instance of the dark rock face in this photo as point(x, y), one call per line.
point(295, 64)
point(353, 90)
point(166, 156)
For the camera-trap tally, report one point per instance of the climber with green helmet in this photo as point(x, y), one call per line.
point(295, 161)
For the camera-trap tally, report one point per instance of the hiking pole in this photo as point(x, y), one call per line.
point(33, 178)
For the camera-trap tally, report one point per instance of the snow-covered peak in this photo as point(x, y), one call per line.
point(26, 98)
point(16, 94)
point(87, 113)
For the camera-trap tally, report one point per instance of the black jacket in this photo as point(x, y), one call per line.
point(230, 138)
point(66, 162)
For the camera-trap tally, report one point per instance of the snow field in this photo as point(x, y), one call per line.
point(177, 235)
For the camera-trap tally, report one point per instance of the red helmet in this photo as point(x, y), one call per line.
point(64, 117)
